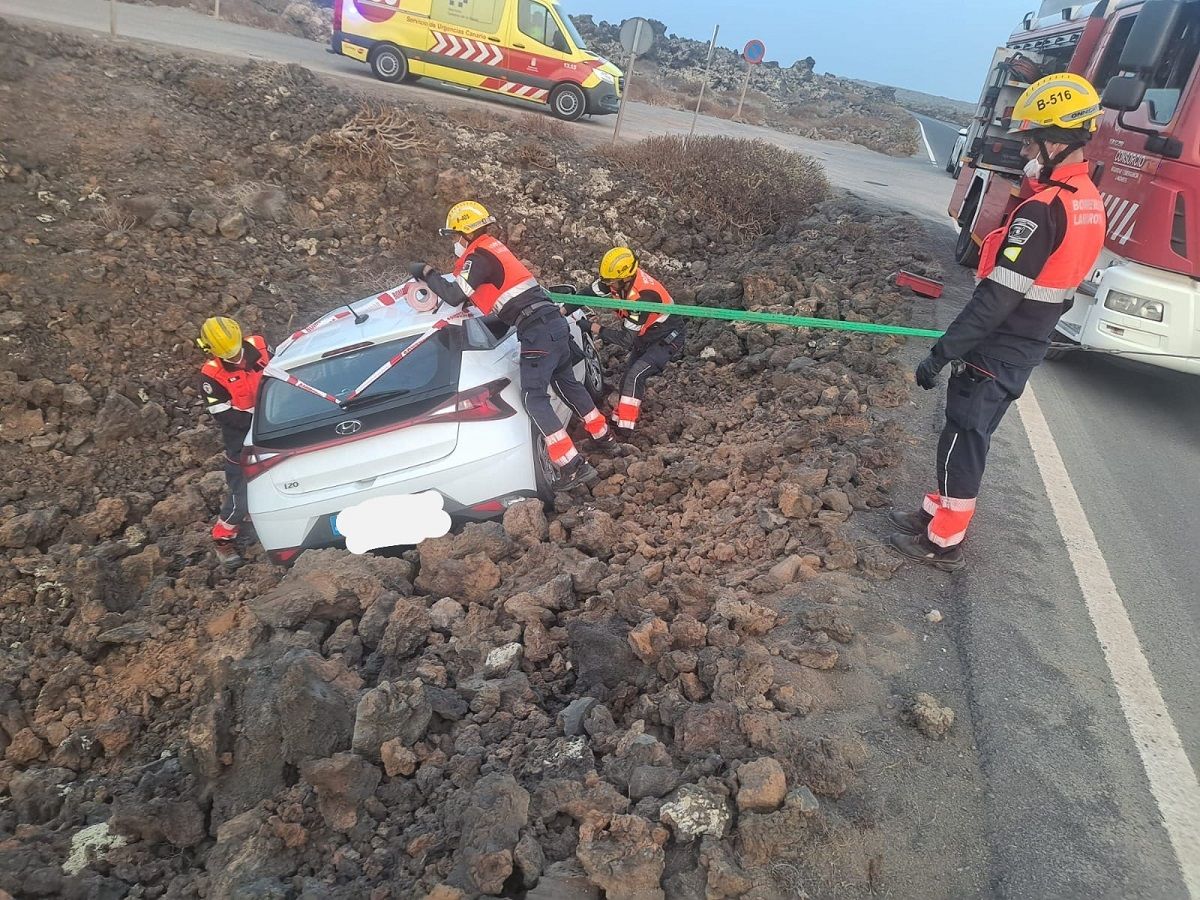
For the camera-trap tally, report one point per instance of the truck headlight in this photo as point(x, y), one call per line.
point(605, 76)
point(1119, 301)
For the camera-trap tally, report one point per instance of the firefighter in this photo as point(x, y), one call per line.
point(490, 276)
point(653, 339)
point(229, 383)
point(1028, 269)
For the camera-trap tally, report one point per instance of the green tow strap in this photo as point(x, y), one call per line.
point(740, 315)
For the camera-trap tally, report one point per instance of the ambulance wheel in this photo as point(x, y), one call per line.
point(568, 103)
point(389, 63)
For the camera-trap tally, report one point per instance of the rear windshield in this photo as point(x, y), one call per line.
point(427, 376)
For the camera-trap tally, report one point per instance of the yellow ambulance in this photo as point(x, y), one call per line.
point(528, 49)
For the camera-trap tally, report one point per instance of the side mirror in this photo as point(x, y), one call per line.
point(1124, 93)
point(1151, 35)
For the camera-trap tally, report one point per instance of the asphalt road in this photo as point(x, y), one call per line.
point(937, 137)
point(1069, 810)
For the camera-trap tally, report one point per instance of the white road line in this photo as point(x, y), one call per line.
point(1172, 778)
point(928, 146)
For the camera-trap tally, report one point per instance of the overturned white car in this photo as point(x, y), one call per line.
point(395, 395)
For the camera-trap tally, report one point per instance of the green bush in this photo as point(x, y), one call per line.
point(748, 187)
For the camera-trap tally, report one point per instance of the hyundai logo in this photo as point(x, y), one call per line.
point(349, 427)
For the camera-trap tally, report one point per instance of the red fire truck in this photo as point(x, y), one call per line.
point(1144, 294)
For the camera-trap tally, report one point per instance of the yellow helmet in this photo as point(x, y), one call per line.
point(467, 218)
point(1057, 103)
point(618, 264)
point(222, 337)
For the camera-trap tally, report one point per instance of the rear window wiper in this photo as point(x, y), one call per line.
point(372, 398)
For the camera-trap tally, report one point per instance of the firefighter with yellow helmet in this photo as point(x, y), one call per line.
point(653, 339)
point(229, 383)
point(490, 276)
point(1029, 268)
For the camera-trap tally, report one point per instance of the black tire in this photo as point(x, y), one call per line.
point(410, 78)
point(950, 167)
point(568, 103)
point(593, 369)
point(966, 251)
point(544, 472)
point(389, 63)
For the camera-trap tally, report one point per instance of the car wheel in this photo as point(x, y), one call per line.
point(544, 472)
point(568, 103)
point(593, 369)
point(966, 251)
point(389, 63)
point(410, 78)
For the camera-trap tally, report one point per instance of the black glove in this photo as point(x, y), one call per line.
point(417, 270)
point(927, 371)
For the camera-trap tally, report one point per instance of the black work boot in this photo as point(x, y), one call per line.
point(606, 445)
point(227, 555)
point(910, 522)
point(578, 472)
point(919, 548)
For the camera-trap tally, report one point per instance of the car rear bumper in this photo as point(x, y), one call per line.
point(464, 479)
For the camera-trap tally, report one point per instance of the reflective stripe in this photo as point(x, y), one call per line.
point(595, 424)
point(466, 286)
point(561, 448)
point(1023, 283)
point(1048, 294)
point(627, 412)
point(515, 291)
point(219, 407)
point(947, 542)
point(1012, 280)
point(957, 505)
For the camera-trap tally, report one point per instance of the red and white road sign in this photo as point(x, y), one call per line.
point(466, 49)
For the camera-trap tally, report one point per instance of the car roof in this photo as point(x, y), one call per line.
point(389, 317)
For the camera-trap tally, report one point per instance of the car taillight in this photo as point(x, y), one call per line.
point(480, 404)
point(337, 16)
point(255, 461)
point(284, 557)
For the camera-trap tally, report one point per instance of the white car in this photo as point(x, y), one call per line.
point(388, 400)
point(954, 165)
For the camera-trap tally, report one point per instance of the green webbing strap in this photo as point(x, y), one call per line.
point(740, 315)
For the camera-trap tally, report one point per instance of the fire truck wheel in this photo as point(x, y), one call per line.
point(568, 103)
point(389, 63)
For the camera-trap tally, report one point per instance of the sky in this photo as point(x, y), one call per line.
point(937, 46)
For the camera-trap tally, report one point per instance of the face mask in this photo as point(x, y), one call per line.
point(459, 250)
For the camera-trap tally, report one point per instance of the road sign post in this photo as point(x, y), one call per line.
point(216, 9)
point(712, 48)
point(753, 54)
point(637, 36)
point(112, 18)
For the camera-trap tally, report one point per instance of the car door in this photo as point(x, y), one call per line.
point(539, 54)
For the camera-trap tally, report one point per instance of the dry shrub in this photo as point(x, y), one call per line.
point(113, 219)
point(370, 145)
point(535, 153)
point(544, 125)
point(473, 117)
point(749, 187)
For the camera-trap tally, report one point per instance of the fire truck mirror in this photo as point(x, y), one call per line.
point(1124, 93)
point(1151, 35)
